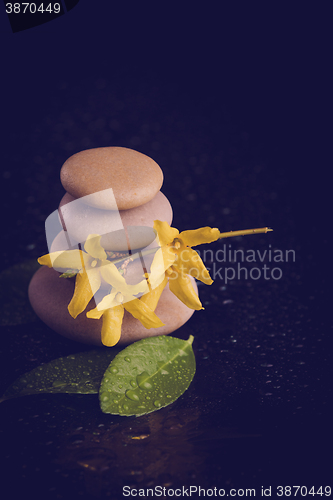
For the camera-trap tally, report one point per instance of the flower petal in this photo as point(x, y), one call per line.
point(111, 329)
point(166, 234)
point(86, 285)
point(68, 259)
point(143, 313)
point(112, 276)
point(191, 263)
point(93, 247)
point(151, 299)
point(95, 313)
point(163, 259)
point(107, 302)
point(195, 237)
point(180, 284)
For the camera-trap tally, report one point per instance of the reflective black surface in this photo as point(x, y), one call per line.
point(236, 119)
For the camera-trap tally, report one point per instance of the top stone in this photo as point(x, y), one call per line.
point(134, 177)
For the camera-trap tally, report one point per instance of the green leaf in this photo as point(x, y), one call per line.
point(15, 308)
point(78, 373)
point(147, 375)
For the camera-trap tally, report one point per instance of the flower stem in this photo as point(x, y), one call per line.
point(244, 232)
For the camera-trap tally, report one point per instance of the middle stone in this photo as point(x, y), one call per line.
point(121, 230)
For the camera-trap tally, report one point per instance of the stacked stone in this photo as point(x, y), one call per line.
point(135, 180)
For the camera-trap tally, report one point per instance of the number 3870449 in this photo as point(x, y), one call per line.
point(32, 8)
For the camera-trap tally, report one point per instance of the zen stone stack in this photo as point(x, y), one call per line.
point(113, 192)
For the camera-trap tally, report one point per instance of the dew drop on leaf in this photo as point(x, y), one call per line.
point(142, 381)
point(130, 394)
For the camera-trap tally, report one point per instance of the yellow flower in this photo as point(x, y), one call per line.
point(181, 260)
point(112, 308)
point(174, 261)
point(91, 266)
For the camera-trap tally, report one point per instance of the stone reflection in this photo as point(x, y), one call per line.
point(155, 449)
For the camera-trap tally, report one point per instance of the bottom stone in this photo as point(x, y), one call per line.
point(50, 295)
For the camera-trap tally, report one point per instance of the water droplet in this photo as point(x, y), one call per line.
point(133, 383)
point(143, 382)
point(182, 353)
point(128, 359)
point(161, 365)
point(104, 396)
point(126, 407)
point(132, 395)
point(59, 383)
point(157, 403)
point(113, 369)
